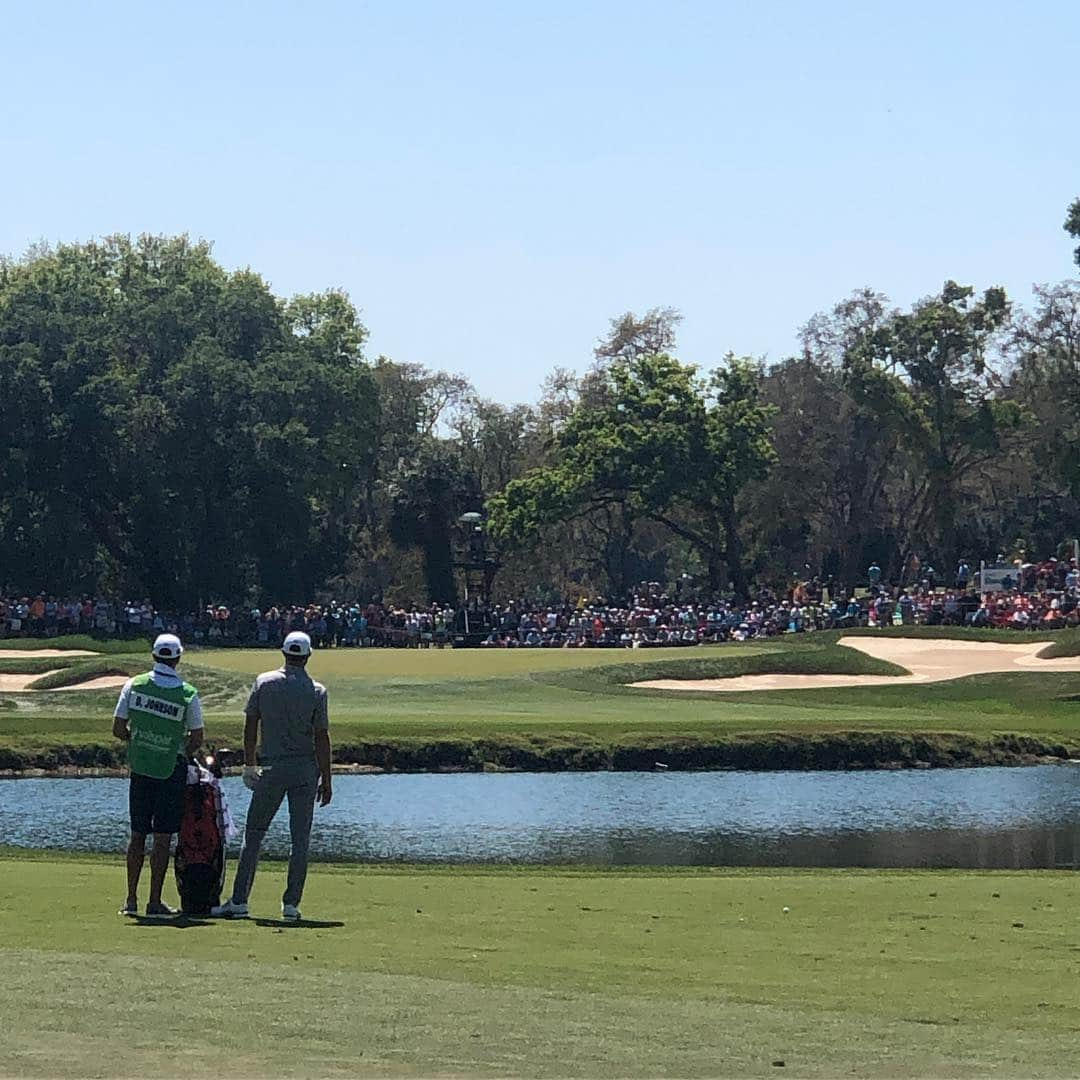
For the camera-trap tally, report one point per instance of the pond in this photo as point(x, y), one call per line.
point(1002, 817)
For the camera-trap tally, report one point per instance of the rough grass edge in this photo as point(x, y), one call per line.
point(323, 865)
point(60, 857)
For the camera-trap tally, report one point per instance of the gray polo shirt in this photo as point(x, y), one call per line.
point(290, 707)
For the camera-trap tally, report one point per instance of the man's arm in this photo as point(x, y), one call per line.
point(251, 725)
point(120, 727)
point(252, 772)
point(251, 737)
point(322, 748)
point(322, 757)
point(195, 726)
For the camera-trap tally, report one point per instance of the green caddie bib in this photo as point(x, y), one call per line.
point(157, 718)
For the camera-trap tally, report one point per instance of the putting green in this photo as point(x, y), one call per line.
point(549, 973)
point(449, 665)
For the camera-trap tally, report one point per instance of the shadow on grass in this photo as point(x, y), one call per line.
point(298, 924)
point(181, 922)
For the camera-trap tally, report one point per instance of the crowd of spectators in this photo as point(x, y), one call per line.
point(1038, 596)
point(331, 625)
point(1042, 596)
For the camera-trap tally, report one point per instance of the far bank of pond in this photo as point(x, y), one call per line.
point(570, 752)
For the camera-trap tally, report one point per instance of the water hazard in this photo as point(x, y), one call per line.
point(992, 818)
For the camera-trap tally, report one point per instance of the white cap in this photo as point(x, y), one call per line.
point(296, 644)
point(167, 647)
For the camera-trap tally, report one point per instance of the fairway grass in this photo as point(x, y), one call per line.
point(548, 973)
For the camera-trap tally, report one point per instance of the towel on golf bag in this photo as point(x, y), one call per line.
point(200, 847)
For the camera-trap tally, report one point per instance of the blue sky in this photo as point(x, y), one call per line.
point(492, 182)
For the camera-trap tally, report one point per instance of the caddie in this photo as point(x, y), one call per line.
point(287, 756)
point(160, 718)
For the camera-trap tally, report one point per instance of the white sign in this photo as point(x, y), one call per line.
point(999, 577)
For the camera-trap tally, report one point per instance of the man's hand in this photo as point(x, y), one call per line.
point(120, 729)
point(252, 775)
point(325, 792)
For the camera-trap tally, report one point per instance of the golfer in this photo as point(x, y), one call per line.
point(160, 718)
point(286, 717)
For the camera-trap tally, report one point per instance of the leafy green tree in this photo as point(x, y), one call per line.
point(183, 428)
point(664, 444)
point(1046, 382)
point(839, 437)
point(957, 419)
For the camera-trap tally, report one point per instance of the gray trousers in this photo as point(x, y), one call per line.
point(296, 781)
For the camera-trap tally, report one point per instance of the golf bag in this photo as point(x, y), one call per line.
point(200, 848)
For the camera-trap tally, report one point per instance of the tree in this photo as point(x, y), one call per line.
point(829, 336)
point(1072, 226)
point(184, 430)
point(494, 442)
point(661, 444)
point(838, 435)
point(630, 337)
point(957, 420)
point(428, 494)
point(1046, 343)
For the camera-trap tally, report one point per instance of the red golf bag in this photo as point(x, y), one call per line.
point(200, 847)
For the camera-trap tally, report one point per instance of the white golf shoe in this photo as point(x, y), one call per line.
point(229, 910)
point(290, 912)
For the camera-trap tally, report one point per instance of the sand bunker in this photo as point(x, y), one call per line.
point(20, 684)
point(33, 654)
point(928, 660)
point(99, 682)
point(15, 683)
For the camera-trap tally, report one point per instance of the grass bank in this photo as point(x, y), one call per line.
point(571, 752)
point(1066, 643)
point(549, 973)
point(797, 656)
point(36, 665)
point(75, 641)
point(79, 671)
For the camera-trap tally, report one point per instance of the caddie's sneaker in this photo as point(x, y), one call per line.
point(229, 910)
point(130, 908)
point(291, 912)
point(161, 911)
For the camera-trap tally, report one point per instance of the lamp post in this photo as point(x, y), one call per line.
point(476, 560)
point(473, 522)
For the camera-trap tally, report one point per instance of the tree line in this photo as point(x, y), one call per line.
point(174, 430)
